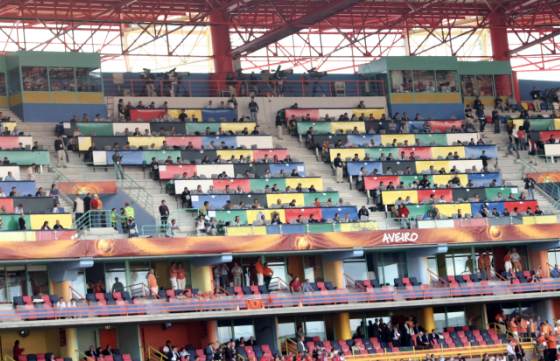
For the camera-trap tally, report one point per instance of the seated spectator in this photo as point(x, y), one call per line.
point(295, 285)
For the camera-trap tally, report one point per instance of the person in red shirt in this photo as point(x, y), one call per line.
point(550, 348)
point(17, 351)
point(295, 285)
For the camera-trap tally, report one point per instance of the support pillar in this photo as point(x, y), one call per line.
point(333, 271)
point(212, 331)
point(70, 348)
point(202, 278)
point(505, 85)
point(427, 318)
point(221, 48)
point(341, 325)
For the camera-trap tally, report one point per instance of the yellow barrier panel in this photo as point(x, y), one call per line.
point(146, 142)
point(390, 197)
point(347, 153)
point(254, 213)
point(246, 231)
point(376, 112)
point(37, 220)
point(450, 210)
point(348, 127)
point(237, 127)
point(442, 152)
point(84, 143)
point(305, 183)
point(424, 165)
point(443, 179)
point(226, 154)
point(387, 139)
point(285, 198)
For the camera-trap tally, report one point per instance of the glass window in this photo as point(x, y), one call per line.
point(439, 319)
point(554, 257)
point(458, 264)
point(477, 85)
point(38, 279)
point(62, 79)
point(2, 83)
point(315, 329)
point(225, 333)
point(244, 331)
point(16, 282)
point(14, 86)
point(424, 81)
point(112, 271)
point(88, 79)
point(286, 329)
point(446, 81)
point(79, 284)
point(390, 266)
point(401, 81)
point(432, 265)
point(356, 269)
point(34, 78)
point(456, 318)
point(3, 286)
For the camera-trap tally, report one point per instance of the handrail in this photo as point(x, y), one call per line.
point(437, 277)
point(282, 281)
point(160, 355)
point(348, 278)
point(76, 293)
point(144, 288)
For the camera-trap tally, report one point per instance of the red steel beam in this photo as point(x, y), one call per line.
point(315, 15)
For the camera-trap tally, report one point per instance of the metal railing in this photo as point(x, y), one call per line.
point(549, 190)
point(259, 87)
point(285, 299)
point(94, 219)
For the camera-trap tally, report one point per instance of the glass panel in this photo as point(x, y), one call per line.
point(467, 84)
point(79, 284)
point(39, 282)
point(245, 331)
point(553, 256)
point(456, 318)
point(439, 319)
point(287, 329)
point(280, 270)
point(477, 85)
point(138, 272)
point(356, 269)
point(14, 85)
point(34, 78)
point(485, 85)
point(3, 286)
point(401, 81)
point(113, 271)
point(88, 80)
point(432, 265)
point(62, 79)
point(358, 327)
point(225, 333)
point(446, 81)
point(315, 328)
point(16, 284)
point(2, 83)
point(424, 81)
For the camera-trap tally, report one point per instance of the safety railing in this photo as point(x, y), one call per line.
point(469, 351)
point(303, 87)
point(154, 354)
point(549, 190)
point(94, 219)
point(284, 299)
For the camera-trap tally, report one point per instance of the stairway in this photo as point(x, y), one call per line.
point(513, 170)
point(77, 170)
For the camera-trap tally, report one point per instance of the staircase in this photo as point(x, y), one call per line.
point(513, 170)
point(139, 187)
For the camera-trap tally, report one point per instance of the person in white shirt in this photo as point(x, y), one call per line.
point(2, 194)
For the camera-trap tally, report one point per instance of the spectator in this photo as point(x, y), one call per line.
point(163, 214)
point(295, 285)
point(45, 226)
point(173, 276)
point(237, 273)
point(253, 109)
point(117, 164)
point(131, 227)
point(59, 151)
point(17, 351)
point(87, 202)
point(57, 226)
point(536, 97)
point(21, 223)
point(152, 283)
point(181, 277)
point(117, 286)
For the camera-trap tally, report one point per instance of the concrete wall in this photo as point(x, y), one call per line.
point(38, 341)
point(129, 341)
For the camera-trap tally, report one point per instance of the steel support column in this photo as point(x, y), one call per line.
point(500, 51)
point(221, 45)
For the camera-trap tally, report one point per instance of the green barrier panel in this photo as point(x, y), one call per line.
point(26, 157)
point(160, 155)
point(375, 153)
point(432, 139)
point(260, 184)
point(309, 198)
point(542, 124)
point(96, 129)
point(418, 211)
point(229, 216)
point(193, 128)
point(318, 128)
point(409, 179)
point(10, 222)
point(323, 227)
point(492, 193)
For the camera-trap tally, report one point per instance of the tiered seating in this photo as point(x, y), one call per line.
point(166, 128)
point(544, 133)
point(194, 114)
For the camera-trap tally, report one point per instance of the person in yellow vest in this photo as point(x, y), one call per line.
point(129, 211)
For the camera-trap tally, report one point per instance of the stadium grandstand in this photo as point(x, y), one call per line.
point(242, 180)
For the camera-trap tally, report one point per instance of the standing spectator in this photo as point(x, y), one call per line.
point(259, 270)
point(253, 109)
point(117, 286)
point(59, 151)
point(530, 186)
point(173, 276)
point(117, 164)
point(338, 168)
point(279, 122)
point(484, 159)
point(129, 211)
point(21, 223)
point(152, 283)
point(78, 208)
point(181, 277)
point(267, 273)
point(237, 273)
point(536, 97)
point(186, 198)
point(17, 351)
point(163, 214)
